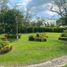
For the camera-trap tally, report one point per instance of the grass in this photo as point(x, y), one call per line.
point(65, 66)
point(25, 52)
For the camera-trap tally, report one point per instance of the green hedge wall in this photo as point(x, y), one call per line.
point(36, 29)
point(40, 29)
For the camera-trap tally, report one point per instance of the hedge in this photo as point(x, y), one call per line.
point(37, 29)
point(41, 29)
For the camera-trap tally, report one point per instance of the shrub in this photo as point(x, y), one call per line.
point(63, 38)
point(4, 39)
point(65, 31)
point(63, 35)
point(12, 36)
point(38, 37)
point(44, 35)
point(31, 38)
point(4, 47)
point(41, 29)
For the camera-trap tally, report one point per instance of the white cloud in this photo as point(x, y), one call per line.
point(50, 13)
point(45, 8)
point(23, 4)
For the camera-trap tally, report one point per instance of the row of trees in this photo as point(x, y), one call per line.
point(12, 20)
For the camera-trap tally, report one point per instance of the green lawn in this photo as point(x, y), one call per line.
point(26, 52)
point(65, 66)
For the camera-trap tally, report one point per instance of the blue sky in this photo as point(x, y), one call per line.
point(40, 7)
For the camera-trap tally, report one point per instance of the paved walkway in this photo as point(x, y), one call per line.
point(57, 62)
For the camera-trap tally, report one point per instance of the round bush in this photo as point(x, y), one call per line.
point(31, 38)
point(12, 36)
point(4, 47)
point(38, 37)
point(4, 39)
point(63, 35)
point(63, 38)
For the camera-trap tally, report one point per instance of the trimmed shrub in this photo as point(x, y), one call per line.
point(31, 38)
point(65, 31)
point(4, 47)
point(4, 39)
point(40, 29)
point(63, 35)
point(38, 37)
point(12, 36)
point(63, 38)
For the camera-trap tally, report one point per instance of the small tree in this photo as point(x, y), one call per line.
point(13, 18)
point(61, 7)
point(61, 10)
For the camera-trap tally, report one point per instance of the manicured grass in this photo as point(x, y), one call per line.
point(65, 66)
point(27, 52)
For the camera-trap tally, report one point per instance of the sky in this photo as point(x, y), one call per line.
point(39, 8)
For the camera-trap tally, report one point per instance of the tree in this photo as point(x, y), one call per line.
point(3, 10)
point(39, 22)
point(61, 10)
point(62, 21)
point(2, 21)
point(61, 7)
point(13, 18)
point(28, 16)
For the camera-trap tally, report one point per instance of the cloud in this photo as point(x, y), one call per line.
point(50, 13)
point(45, 8)
point(36, 7)
point(23, 4)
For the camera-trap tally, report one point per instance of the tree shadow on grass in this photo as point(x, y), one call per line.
point(64, 46)
point(12, 40)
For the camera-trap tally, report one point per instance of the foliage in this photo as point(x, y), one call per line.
point(40, 29)
point(31, 38)
point(63, 38)
point(61, 5)
point(25, 52)
point(63, 35)
point(13, 19)
point(62, 11)
point(4, 47)
point(62, 21)
point(12, 36)
point(10, 21)
point(38, 37)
